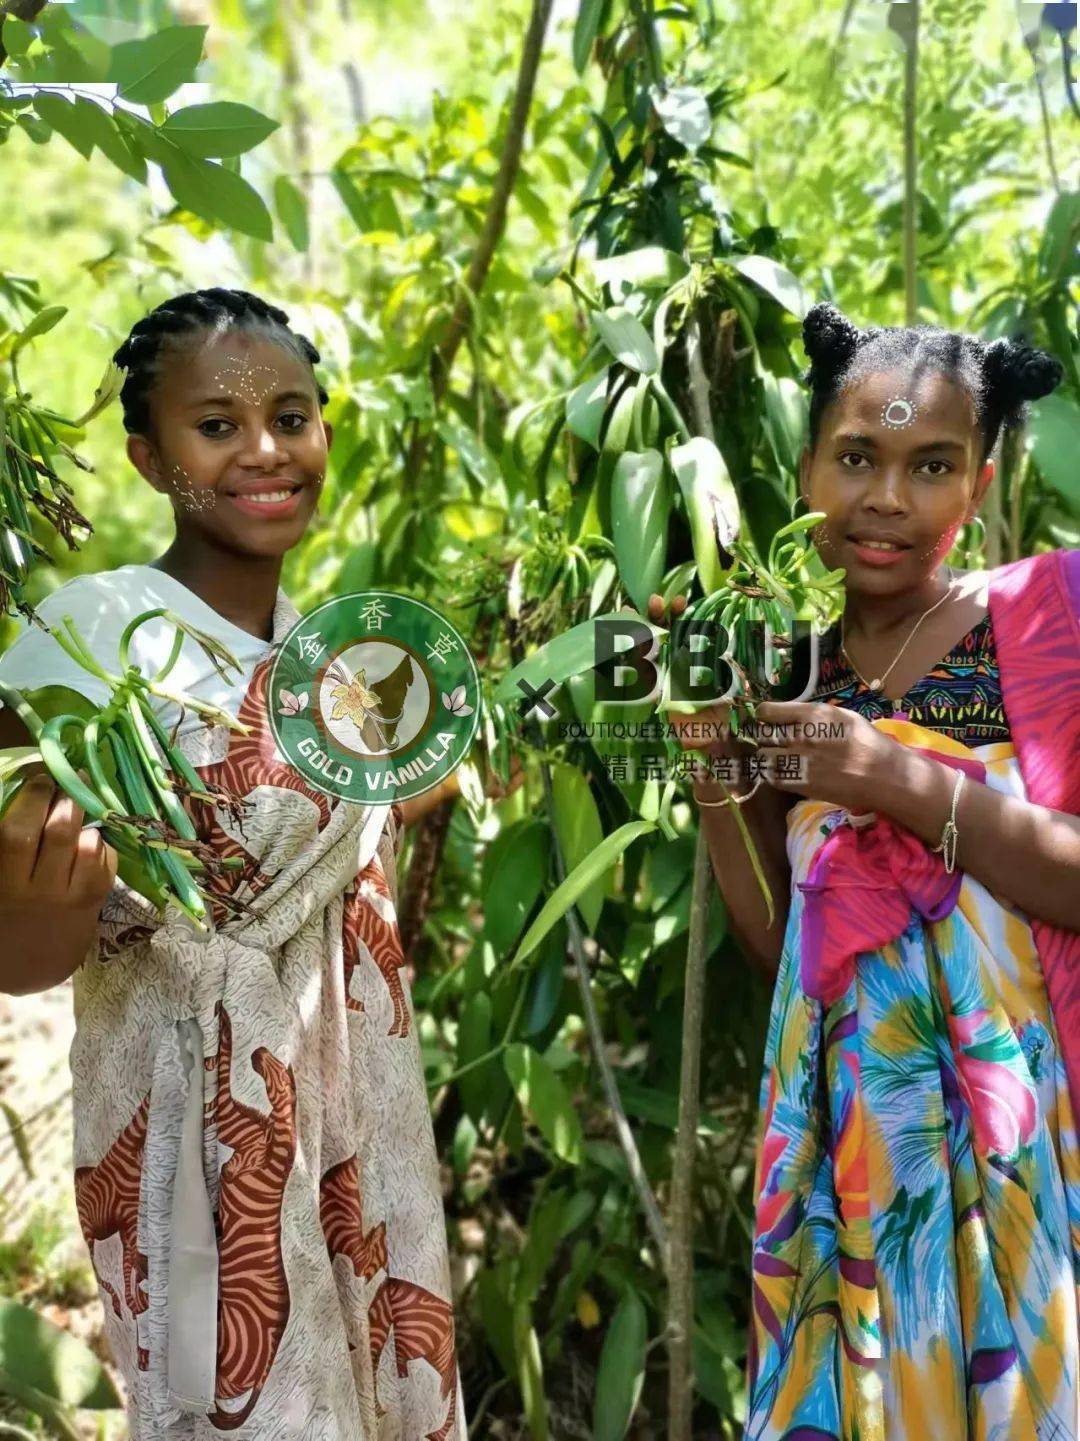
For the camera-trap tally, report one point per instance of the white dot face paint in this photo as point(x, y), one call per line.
point(189, 497)
point(245, 381)
point(898, 413)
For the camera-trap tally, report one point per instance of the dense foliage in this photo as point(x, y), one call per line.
point(542, 413)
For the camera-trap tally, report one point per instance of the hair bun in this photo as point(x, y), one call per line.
point(829, 337)
point(1020, 371)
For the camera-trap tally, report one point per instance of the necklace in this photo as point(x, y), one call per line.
point(879, 682)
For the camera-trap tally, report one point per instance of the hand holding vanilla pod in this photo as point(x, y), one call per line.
point(122, 768)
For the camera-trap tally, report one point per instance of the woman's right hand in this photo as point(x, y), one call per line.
point(54, 878)
point(706, 728)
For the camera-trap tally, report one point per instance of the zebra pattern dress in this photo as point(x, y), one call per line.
point(255, 1169)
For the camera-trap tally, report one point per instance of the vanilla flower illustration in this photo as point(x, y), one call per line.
point(455, 701)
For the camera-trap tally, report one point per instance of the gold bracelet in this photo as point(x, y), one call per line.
point(730, 800)
point(950, 835)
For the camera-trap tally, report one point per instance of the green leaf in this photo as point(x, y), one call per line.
point(470, 449)
point(785, 418)
point(775, 280)
point(494, 1288)
point(684, 113)
point(291, 210)
point(712, 506)
point(151, 69)
point(578, 827)
point(586, 27)
point(43, 1356)
point(621, 1371)
point(530, 1373)
point(514, 873)
point(640, 509)
point(1058, 251)
point(627, 339)
point(1054, 432)
point(473, 1041)
point(102, 131)
point(217, 194)
point(17, 36)
point(219, 129)
point(567, 654)
point(542, 1096)
point(42, 322)
point(585, 408)
point(546, 983)
point(650, 267)
point(57, 111)
point(578, 882)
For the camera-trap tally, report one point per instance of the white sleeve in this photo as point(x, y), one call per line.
point(36, 659)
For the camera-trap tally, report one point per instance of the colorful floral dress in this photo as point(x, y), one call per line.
point(913, 1271)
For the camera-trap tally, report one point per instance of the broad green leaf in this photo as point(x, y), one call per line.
point(217, 194)
point(291, 210)
point(775, 280)
point(101, 130)
point(546, 984)
point(578, 881)
point(543, 1231)
point(17, 36)
point(1058, 252)
point(578, 827)
point(542, 1096)
point(151, 69)
point(43, 1356)
point(494, 1286)
point(219, 129)
point(58, 111)
point(621, 1371)
point(563, 656)
point(684, 113)
point(530, 1373)
point(585, 408)
point(1054, 431)
point(785, 418)
point(473, 1041)
point(42, 322)
point(586, 27)
point(648, 267)
point(640, 510)
point(712, 506)
point(514, 873)
point(627, 339)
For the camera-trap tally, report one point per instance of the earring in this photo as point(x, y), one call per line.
point(794, 504)
point(973, 552)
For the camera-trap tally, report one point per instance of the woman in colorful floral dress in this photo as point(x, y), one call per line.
point(917, 1236)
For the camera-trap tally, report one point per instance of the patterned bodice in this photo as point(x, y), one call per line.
point(960, 697)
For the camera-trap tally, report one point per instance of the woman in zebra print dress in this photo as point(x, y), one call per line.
point(255, 1168)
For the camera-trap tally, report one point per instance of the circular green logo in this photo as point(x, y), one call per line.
point(374, 697)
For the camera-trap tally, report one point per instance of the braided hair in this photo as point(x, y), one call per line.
point(173, 322)
point(1001, 376)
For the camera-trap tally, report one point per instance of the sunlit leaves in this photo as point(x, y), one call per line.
point(218, 129)
point(218, 194)
point(151, 69)
point(640, 509)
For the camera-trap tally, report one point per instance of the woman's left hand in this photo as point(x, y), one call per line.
point(823, 751)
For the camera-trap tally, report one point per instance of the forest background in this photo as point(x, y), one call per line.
point(540, 246)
